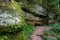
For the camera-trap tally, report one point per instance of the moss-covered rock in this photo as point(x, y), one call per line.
point(11, 21)
point(11, 17)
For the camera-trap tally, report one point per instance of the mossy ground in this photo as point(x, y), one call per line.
point(28, 29)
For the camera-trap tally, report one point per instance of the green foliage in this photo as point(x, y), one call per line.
point(5, 37)
point(54, 32)
point(53, 6)
point(28, 29)
point(9, 32)
point(13, 9)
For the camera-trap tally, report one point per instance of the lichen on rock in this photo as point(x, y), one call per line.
point(9, 20)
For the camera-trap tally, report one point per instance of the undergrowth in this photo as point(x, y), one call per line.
point(28, 29)
point(54, 33)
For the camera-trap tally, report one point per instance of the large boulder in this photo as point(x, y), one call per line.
point(9, 20)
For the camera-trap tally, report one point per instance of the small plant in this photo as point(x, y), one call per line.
point(28, 30)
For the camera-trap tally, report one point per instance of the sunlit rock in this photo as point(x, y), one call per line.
point(40, 10)
point(9, 20)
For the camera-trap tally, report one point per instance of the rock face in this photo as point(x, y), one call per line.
point(40, 10)
point(11, 22)
point(9, 19)
point(38, 15)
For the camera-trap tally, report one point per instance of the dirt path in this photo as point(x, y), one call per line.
point(38, 31)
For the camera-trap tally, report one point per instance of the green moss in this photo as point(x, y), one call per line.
point(13, 32)
point(28, 29)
